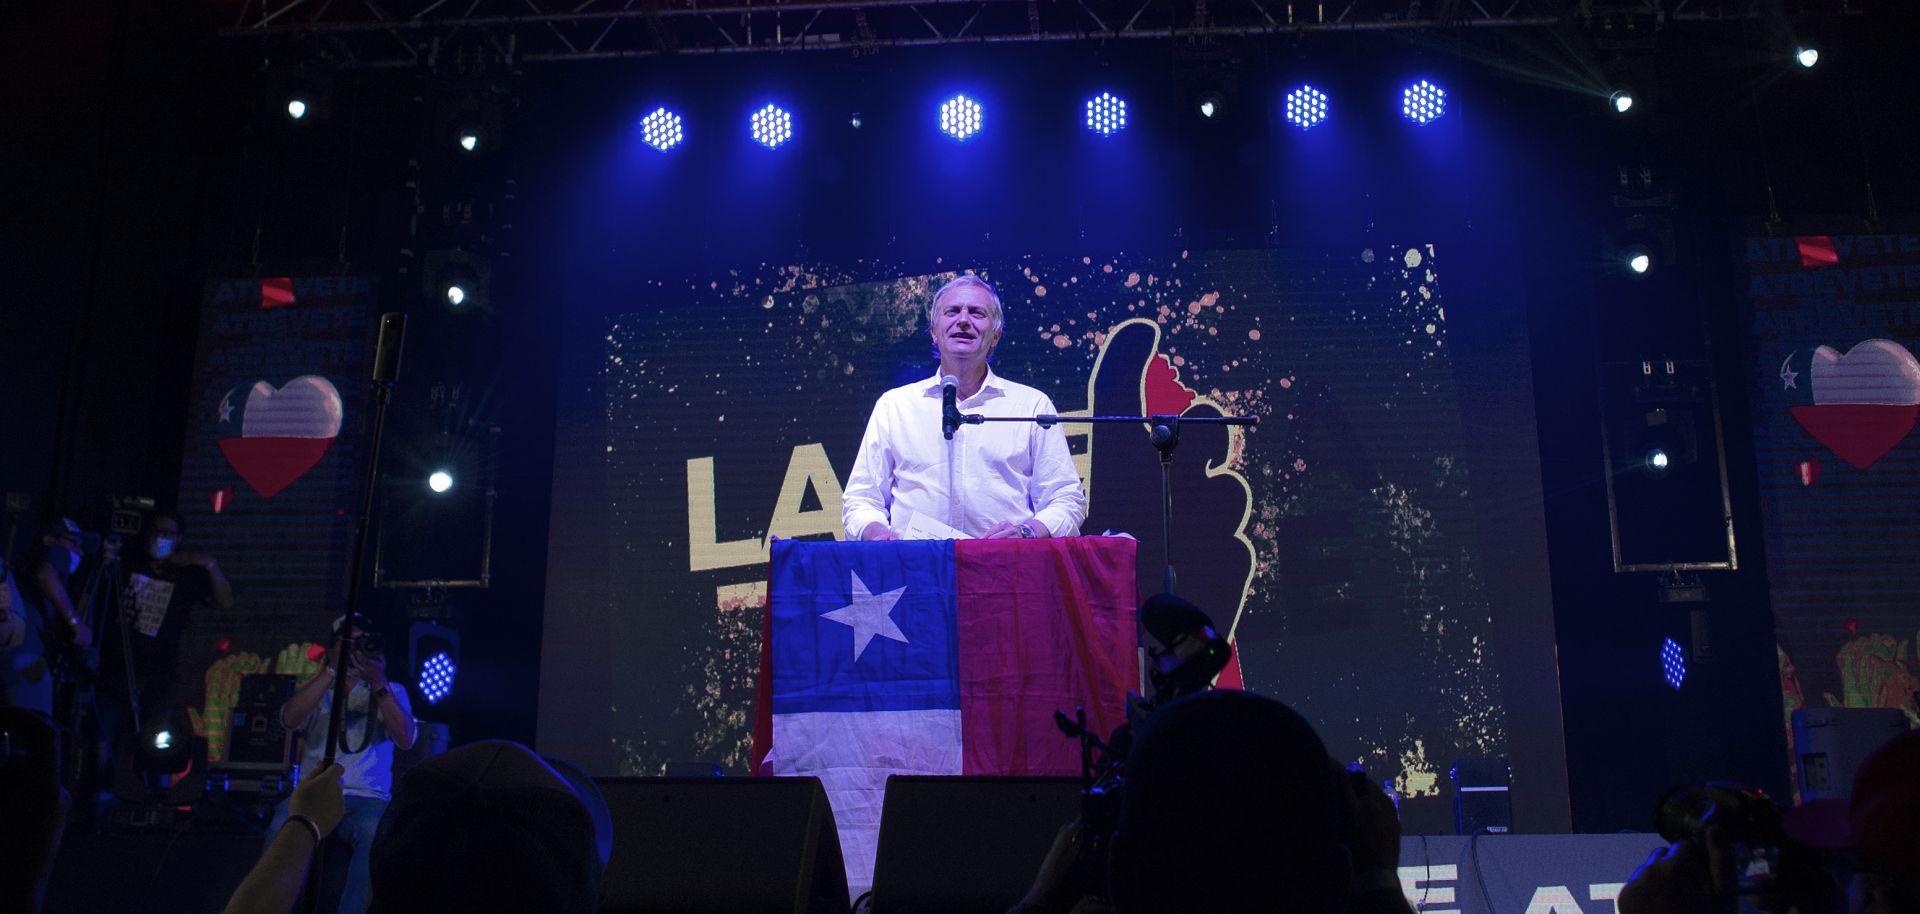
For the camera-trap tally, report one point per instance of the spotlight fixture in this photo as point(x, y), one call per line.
point(1621, 101)
point(1106, 114)
point(1423, 102)
point(433, 647)
point(1673, 663)
point(855, 120)
point(1638, 259)
point(436, 677)
point(960, 117)
point(1657, 461)
point(1211, 105)
point(1306, 106)
point(1806, 56)
point(456, 279)
point(440, 481)
point(662, 129)
point(771, 126)
point(297, 108)
point(469, 140)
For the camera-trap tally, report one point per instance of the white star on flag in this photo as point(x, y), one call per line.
point(868, 615)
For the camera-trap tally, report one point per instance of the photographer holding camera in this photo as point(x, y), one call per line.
point(1733, 849)
point(379, 719)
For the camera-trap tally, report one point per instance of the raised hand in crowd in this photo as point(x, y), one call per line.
point(274, 883)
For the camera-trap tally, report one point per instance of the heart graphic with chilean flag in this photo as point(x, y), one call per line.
point(284, 431)
point(1864, 402)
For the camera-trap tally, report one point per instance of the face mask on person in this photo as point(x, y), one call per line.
point(162, 546)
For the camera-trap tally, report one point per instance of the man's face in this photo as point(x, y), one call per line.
point(963, 325)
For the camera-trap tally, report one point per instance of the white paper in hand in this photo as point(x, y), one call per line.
point(922, 527)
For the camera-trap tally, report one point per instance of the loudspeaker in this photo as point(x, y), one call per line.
point(1832, 742)
point(255, 740)
point(722, 844)
point(1482, 801)
point(966, 844)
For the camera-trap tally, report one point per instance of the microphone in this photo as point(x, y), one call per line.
point(386, 353)
point(949, 405)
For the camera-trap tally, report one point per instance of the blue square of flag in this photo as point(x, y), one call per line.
point(863, 627)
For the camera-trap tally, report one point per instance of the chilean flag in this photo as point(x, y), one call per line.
point(937, 658)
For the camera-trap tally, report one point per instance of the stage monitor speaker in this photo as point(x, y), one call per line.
point(1830, 744)
point(966, 844)
point(695, 845)
point(255, 739)
point(1482, 800)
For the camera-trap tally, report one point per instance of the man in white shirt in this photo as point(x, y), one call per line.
point(379, 719)
point(996, 479)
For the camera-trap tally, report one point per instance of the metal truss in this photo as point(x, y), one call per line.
point(411, 33)
point(415, 33)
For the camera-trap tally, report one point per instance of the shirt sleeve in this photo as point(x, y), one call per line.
point(1059, 501)
point(870, 484)
point(400, 697)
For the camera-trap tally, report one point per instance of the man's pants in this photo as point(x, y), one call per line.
point(356, 828)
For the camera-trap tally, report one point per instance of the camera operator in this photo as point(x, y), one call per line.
point(140, 660)
point(378, 720)
point(44, 629)
point(1740, 846)
point(1230, 802)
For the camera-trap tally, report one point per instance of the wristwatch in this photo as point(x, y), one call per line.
point(1026, 532)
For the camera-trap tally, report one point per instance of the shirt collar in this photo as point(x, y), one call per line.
point(992, 382)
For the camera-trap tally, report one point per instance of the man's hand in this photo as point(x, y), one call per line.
point(878, 532)
point(1684, 877)
point(370, 667)
point(319, 798)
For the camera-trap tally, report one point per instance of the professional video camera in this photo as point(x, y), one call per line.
point(1763, 857)
point(1184, 654)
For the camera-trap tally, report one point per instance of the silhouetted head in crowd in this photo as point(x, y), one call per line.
point(1879, 824)
point(491, 827)
point(1231, 803)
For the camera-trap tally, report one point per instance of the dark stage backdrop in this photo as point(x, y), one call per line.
point(274, 448)
point(1374, 544)
point(1835, 392)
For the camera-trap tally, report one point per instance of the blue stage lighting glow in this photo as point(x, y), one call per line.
point(960, 117)
point(1306, 106)
point(662, 129)
point(1106, 114)
point(1673, 663)
point(1423, 102)
point(436, 678)
point(772, 126)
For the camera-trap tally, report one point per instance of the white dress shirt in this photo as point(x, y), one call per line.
point(988, 473)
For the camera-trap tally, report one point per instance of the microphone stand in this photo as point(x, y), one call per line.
point(386, 370)
point(1166, 436)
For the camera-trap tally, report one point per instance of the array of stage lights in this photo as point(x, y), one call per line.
point(772, 126)
point(436, 678)
point(662, 129)
point(1306, 106)
point(1423, 102)
point(960, 117)
point(1673, 663)
point(1106, 114)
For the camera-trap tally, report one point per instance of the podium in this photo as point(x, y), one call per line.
point(937, 658)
